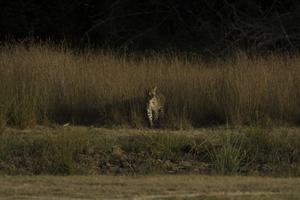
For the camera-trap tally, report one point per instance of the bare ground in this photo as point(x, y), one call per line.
point(148, 187)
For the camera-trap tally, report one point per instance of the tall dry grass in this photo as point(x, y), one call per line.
point(40, 83)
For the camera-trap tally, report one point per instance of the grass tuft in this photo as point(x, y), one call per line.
point(230, 156)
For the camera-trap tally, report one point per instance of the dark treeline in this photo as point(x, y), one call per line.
point(207, 26)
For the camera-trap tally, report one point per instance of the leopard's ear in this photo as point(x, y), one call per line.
point(154, 90)
point(148, 92)
point(151, 92)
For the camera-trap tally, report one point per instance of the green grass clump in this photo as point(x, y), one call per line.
point(230, 156)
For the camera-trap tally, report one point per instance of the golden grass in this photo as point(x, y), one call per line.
point(148, 187)
point(40, 83)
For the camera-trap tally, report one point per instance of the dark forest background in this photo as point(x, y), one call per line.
point(205, 26)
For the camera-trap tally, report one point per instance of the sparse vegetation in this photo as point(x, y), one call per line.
point(42, 84)
point(84, 150)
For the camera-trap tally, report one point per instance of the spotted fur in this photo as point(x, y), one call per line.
point(155, 107)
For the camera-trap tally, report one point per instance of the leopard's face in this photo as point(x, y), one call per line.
point(151, 94)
